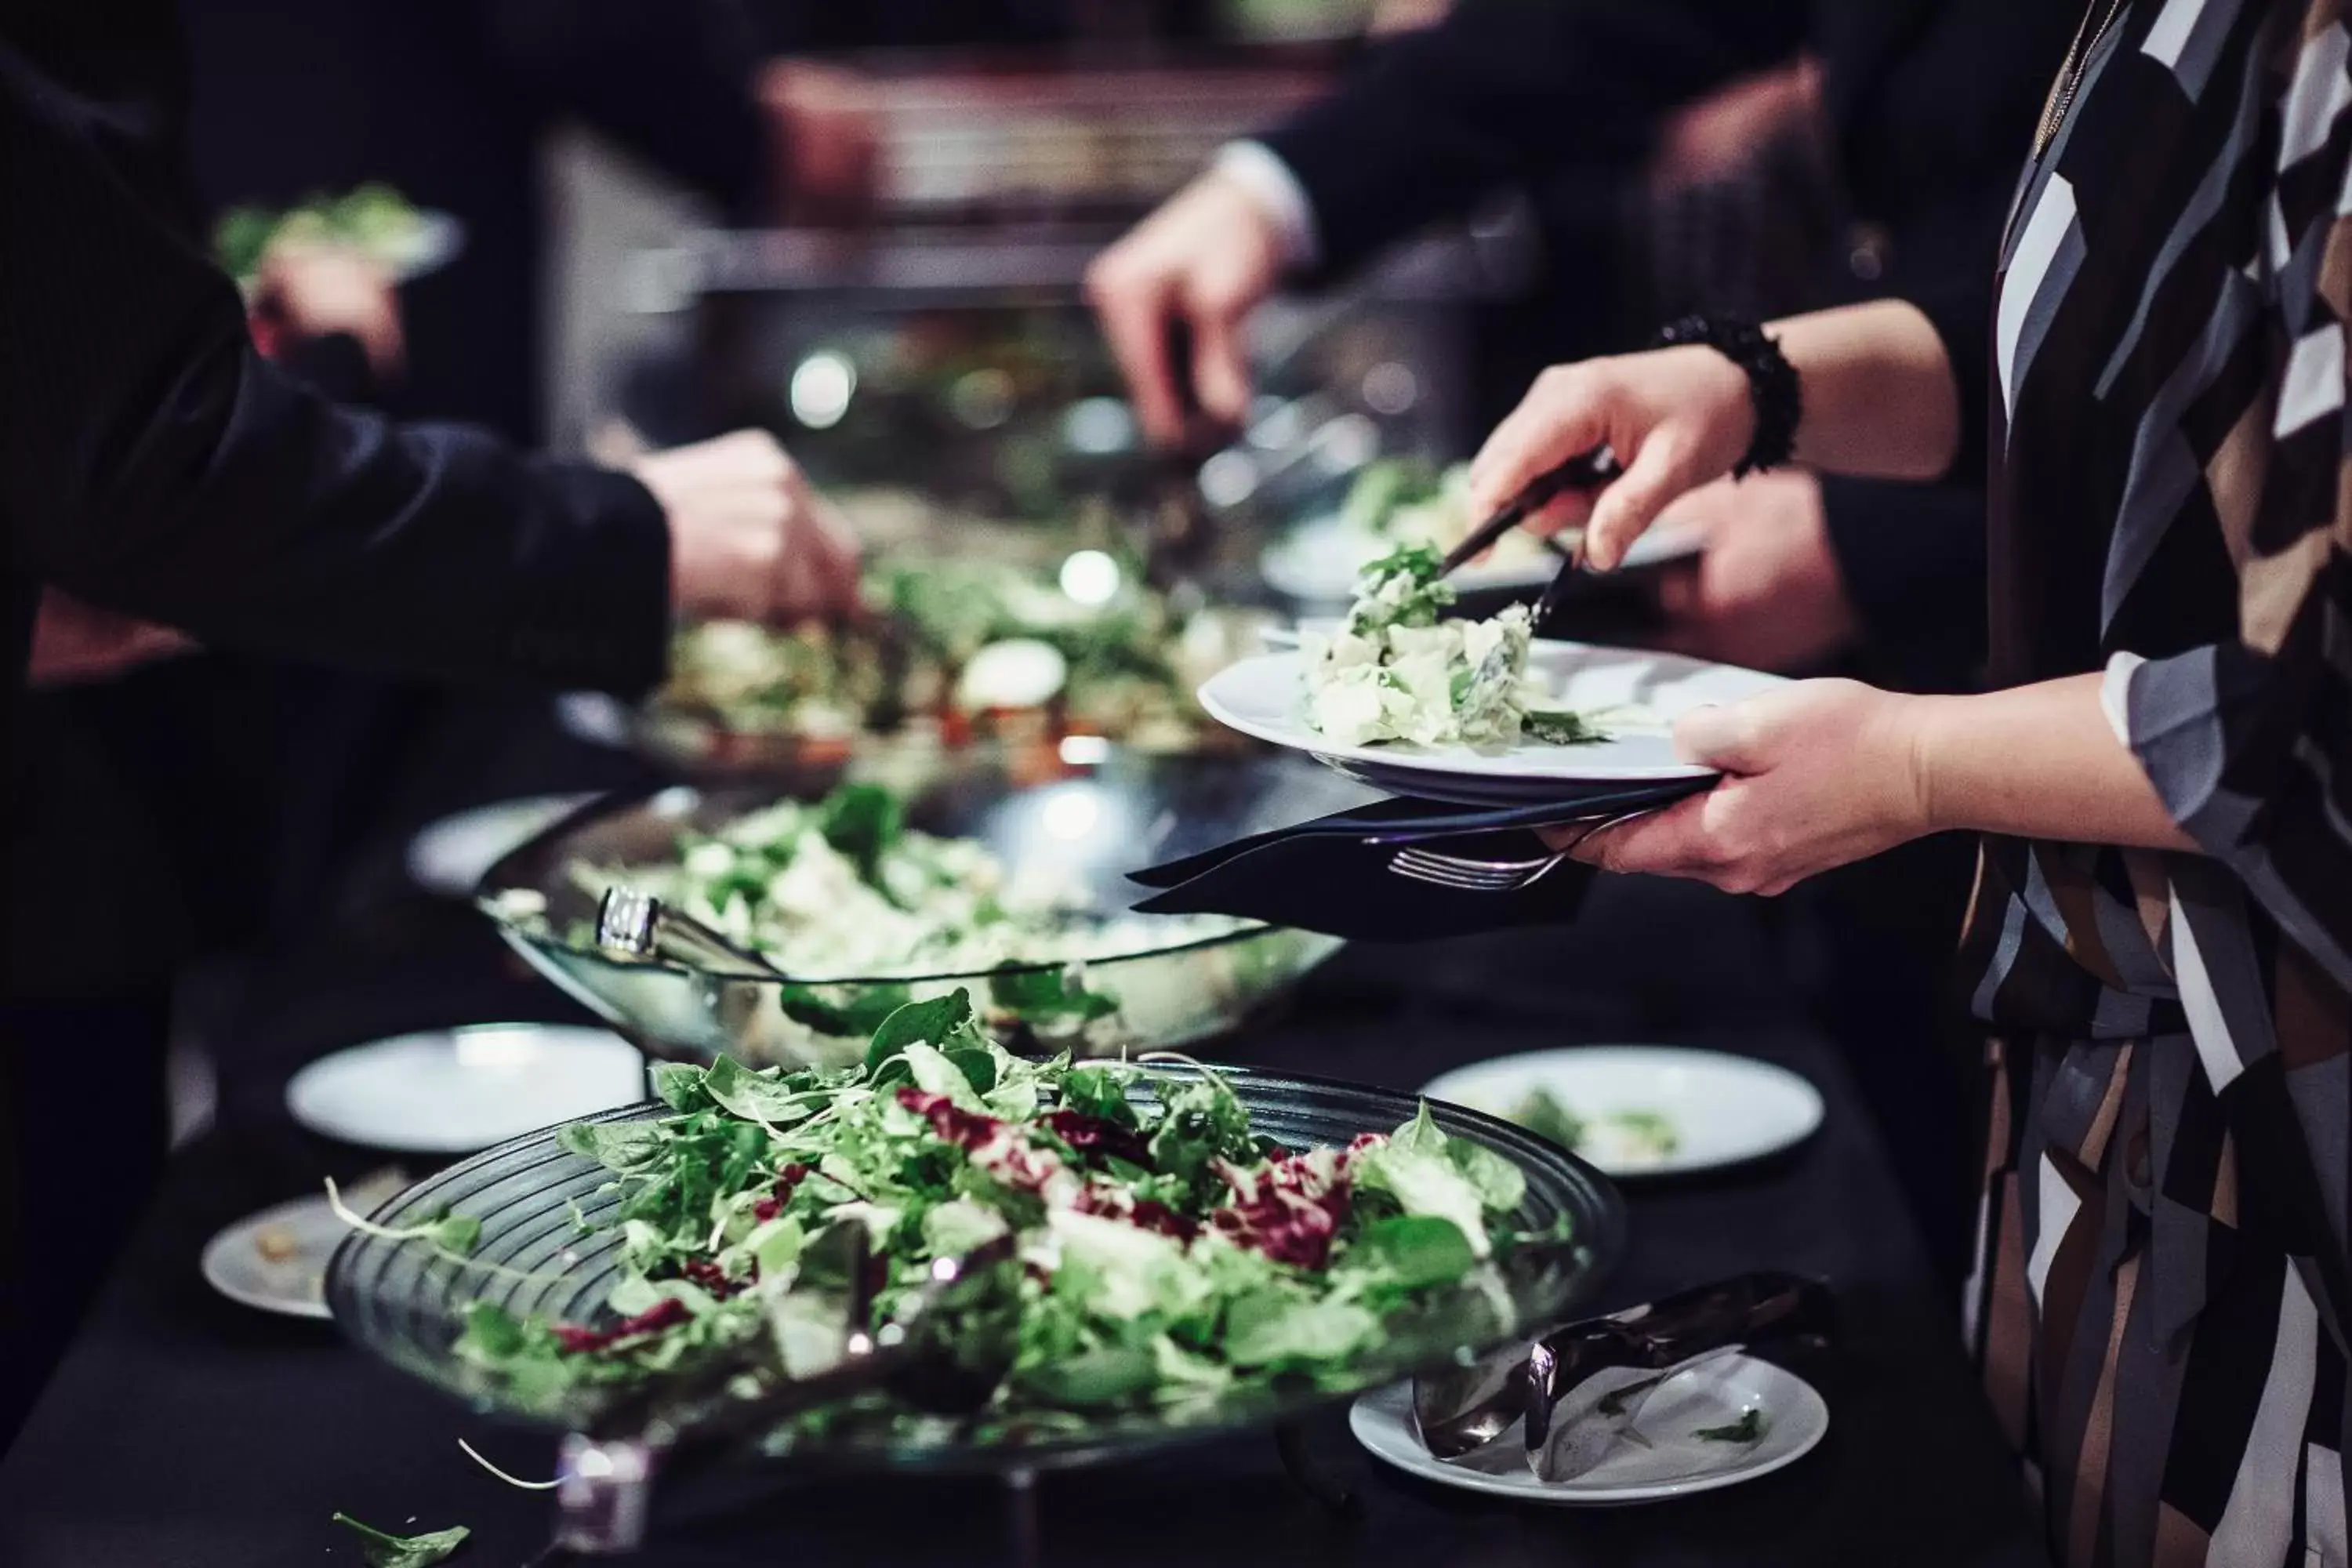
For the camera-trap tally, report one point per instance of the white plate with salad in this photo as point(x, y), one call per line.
point(1408, 500)
point(1398, 687)
point(1728, 1420)
point(1643, 1111)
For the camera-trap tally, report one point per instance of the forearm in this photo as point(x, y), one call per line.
point(2036, 761)
point(1880, 398)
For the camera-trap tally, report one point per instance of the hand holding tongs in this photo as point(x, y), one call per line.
point(1589, 470)
point(1578, 1389)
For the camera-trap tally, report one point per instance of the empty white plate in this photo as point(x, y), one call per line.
point(1722, 1108)
point(275, 1261)
point(452, 1091)
point(1676, 1462)
point(1265, 697)
point(450, 857)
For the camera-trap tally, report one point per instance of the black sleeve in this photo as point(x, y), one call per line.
point(1505, 91)
point(671, 79)
point(1912, 558)
point(154, 462)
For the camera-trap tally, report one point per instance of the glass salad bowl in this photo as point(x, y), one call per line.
point(1173, 981)
point(409, 1303)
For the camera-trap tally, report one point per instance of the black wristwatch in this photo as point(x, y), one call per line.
point(1772, 386)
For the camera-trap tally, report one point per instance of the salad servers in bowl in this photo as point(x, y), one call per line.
point(1082, 972)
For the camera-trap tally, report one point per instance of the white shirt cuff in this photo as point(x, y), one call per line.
point(1276, 191)
point(2115, 694)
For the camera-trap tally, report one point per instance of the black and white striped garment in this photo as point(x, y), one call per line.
point(2163, 1291)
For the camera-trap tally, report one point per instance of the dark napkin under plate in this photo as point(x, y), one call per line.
point(1331, 875)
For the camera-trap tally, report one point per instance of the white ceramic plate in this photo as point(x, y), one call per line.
point(1265, 697)
point(1317, 562)
point(275, 1261)
point(452, 1091)
point(1724, 1108)
point(450, 857)
point(1676, 1464)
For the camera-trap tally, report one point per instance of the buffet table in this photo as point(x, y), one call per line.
point(188, 1432)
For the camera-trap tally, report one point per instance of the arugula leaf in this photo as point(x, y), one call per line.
point(384, 1550)
point(1199, 1122)
point(1424, 1182)
point(1749, 1429)
point(1097, 1377)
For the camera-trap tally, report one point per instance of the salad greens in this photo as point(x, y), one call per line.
point(1165, 1257)
point(843, 888)
point(1400, 670)
point(374, 219)
point(1128, 665)
point(1618, 1140)
point(384, 1550)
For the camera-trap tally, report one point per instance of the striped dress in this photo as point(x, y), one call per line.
point(2163, 1291)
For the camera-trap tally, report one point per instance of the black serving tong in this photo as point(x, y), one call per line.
point(1588, 470)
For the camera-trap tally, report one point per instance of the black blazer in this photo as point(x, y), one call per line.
point(151, 460)
point(1932, 103)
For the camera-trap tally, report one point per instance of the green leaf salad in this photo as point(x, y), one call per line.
point(842, 887)
point(1398, 669)
point(1165, 1257)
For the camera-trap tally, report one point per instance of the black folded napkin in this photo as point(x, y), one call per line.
point(1331, 875)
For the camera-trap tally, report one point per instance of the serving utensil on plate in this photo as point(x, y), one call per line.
point(1574, 1391)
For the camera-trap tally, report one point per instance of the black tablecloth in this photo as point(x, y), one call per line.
point(183, 1430)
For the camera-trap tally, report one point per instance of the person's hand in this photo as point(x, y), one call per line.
point(1765, 589)
point(1817, 774)
point(828, 134)
point(75, 643)
point(1205, 259)
point(751, 539)
point(317, 291)
point(1717, 138)
point(1676, 418)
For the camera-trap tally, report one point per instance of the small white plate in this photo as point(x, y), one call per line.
point(450, 857)
point(452, 1091)
point(1317, 562)
point(1675, 1463)
point(1725, 1110)
point(1265, 696)
point(275, 1261)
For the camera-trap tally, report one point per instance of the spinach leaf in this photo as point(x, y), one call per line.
point(1414, 1250)
point(862, 821)
point(756, 1095)
point(1049, 995)
point(931, 1022)
point(858, 1017)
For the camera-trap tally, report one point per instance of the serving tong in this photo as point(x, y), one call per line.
point(636, 927)
point(606, 1471)
point(1574, 1393)
point(1586, 472)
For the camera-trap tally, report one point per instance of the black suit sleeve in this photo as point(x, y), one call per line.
point(671, 79)
point(1507, 91)
point(1912, 558)
point(155, 462)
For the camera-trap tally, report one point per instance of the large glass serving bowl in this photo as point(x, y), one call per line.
point(1087, 827)
point(407, 1304)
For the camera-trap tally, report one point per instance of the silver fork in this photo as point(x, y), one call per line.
point(1463, 874)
